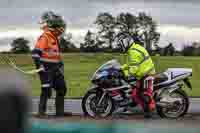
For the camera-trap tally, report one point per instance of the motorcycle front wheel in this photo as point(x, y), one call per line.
point(90, 108)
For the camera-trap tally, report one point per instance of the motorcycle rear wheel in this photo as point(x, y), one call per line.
point(181, 111)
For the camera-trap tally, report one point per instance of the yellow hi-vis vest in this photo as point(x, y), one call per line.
point(139, 63)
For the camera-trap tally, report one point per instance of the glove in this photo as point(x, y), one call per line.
point(124, 67)
point(41, 68)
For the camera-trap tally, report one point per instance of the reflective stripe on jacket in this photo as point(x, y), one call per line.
point(48, 46)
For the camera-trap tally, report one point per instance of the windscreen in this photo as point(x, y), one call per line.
point(110, 64)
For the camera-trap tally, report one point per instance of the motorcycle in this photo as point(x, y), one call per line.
point(111, 91)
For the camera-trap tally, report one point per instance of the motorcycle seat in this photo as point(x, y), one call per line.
point(132, 79)
point(159, 78)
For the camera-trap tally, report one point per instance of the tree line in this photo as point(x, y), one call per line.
point(108, 26)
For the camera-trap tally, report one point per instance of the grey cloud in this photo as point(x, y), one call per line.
point(5, 41)
point(28, 12)
point(82, 13)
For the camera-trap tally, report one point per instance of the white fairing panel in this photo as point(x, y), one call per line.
point(178, 72)
point(175, 74)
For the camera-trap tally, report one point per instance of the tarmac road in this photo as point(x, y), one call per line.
point(190, 120)
point(74, 106)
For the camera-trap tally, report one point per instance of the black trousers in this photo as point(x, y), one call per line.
point(52, 80)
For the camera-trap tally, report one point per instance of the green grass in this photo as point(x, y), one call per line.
point(80, 67)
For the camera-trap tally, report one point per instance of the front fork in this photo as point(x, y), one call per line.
point(101, 99)
point(100, 95)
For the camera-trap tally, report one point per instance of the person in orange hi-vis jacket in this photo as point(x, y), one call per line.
point(46, 56)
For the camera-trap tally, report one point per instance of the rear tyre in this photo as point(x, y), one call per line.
point(179, 110)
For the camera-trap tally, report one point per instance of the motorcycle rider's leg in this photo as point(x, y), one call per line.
point(145, 94)
point(147, 111)
point(147, 97)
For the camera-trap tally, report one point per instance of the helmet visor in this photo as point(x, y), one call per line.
point(124, 43)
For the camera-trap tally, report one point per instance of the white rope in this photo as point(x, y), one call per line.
point(13, 65)
point(25, 72)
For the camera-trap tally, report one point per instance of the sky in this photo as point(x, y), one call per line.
point(178, 20)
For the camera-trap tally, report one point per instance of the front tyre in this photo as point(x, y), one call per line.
point(178, 109)
point(90, 109)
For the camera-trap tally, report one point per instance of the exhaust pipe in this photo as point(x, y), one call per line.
point(163, 104)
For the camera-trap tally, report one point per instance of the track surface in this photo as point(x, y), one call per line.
point(74, 106)
point(191, 120)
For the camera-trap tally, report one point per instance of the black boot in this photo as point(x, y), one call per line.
point(59, 105)
point(42, 104)
point(49, 93)
point(147, 110)
point(147, 115)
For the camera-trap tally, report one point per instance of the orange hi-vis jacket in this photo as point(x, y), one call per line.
point(48, 44)
point(46, 49)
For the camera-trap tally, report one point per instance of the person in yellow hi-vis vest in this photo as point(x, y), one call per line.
point(139, 65)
